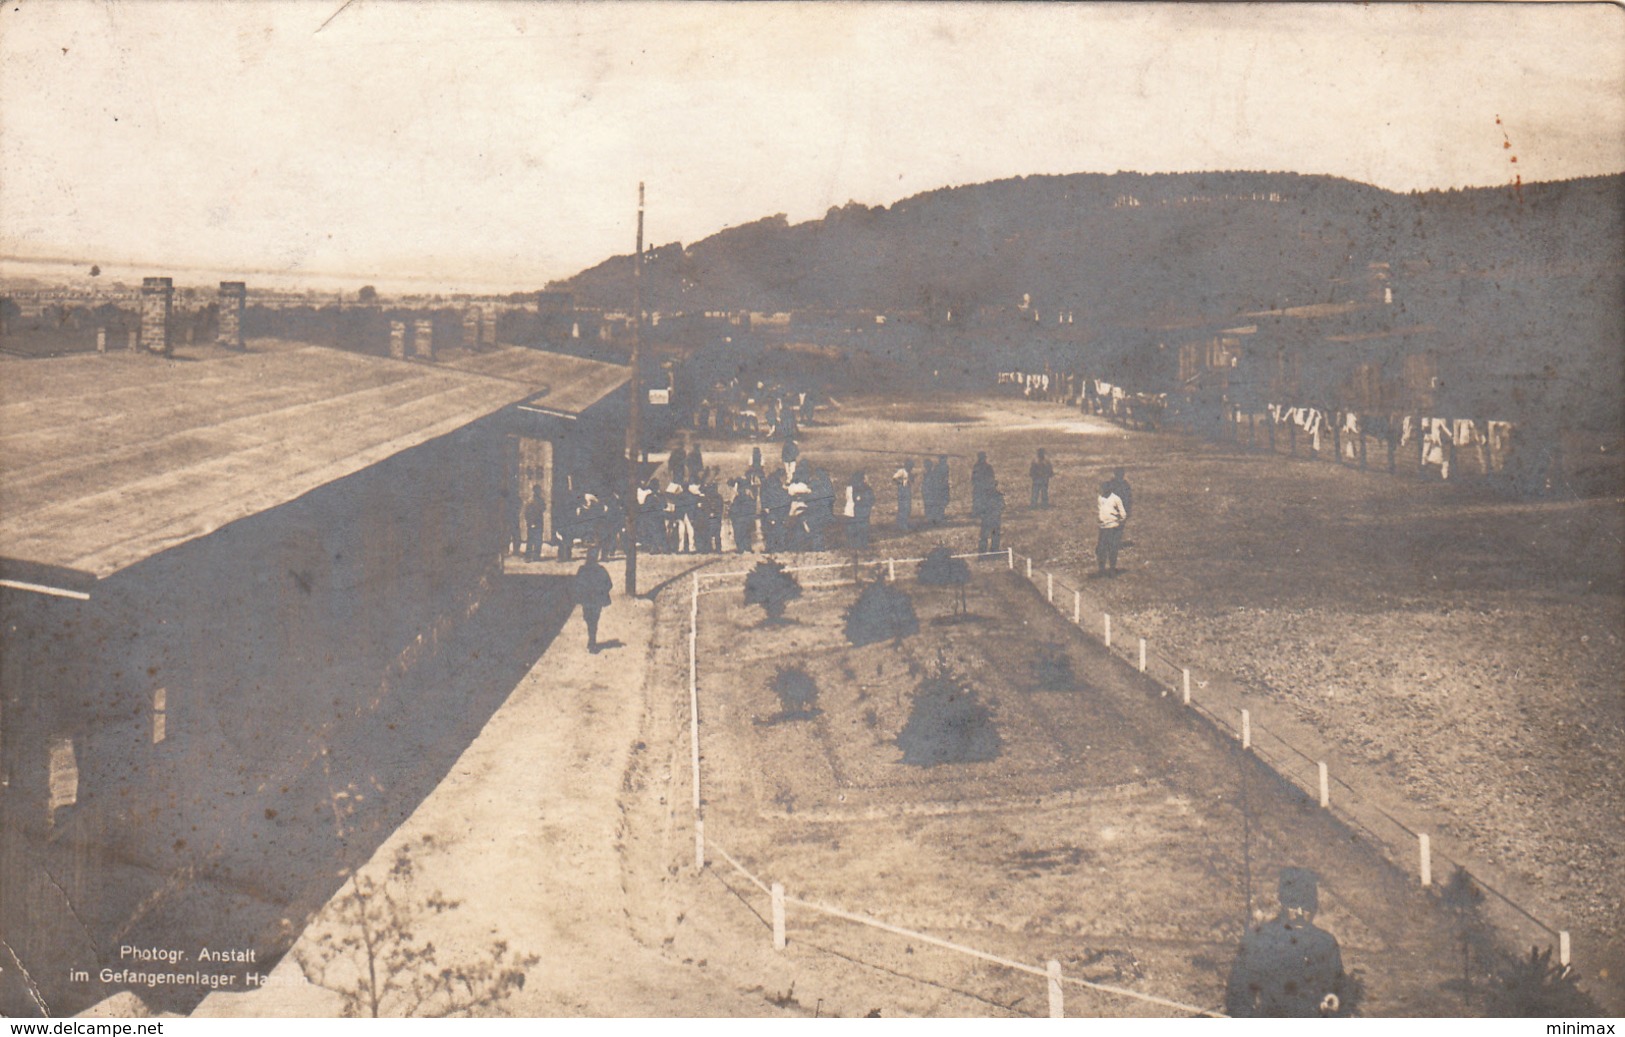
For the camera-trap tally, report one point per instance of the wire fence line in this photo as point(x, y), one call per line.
point(1090, 618)
point(1050, 972)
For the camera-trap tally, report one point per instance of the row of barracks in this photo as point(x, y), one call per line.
point(220, 570)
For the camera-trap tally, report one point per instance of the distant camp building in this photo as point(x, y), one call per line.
point(218, 576)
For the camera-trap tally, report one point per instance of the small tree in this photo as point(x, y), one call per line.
point(941, 569)
point(947, 723)
point(881, 613)
point(370, 955)
point(771, 587)
point(1536, 986)
point(368, 294)
point(797, 692)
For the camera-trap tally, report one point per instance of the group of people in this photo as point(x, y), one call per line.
point(796, 506)
point(772, 411)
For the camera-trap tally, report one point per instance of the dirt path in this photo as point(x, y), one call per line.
point(527, 833)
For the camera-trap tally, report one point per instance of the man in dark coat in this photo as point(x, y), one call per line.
point(863, 506)
point(1287, 967)
point(742, 513)
point(1042, 472)
point(981, 480)
point(535, 515)
point(590, 589)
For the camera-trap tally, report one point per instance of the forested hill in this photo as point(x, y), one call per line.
point(1127, 248)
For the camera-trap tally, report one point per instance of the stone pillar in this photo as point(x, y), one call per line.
point(157, 306)
point(423, 339)
point(397, 339)
point(233, 300)
point(101, 340)
point(135, 340)
point(473, 330)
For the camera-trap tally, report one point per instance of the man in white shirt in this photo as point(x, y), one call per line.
point(1112, 517)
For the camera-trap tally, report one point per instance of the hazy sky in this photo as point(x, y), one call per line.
point(501, 143)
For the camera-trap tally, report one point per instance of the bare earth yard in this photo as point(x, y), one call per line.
point(1460, 649)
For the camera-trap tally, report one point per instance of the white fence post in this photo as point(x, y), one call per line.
point(1325, 787)
point(1049, 587)
point(1246, 730)
point(1077, 607)
point(1563, 947)
point(1010, 556)
point(1425, 847)
point(778, 916)
point(1185, 675)
point(1106, 626)
point(1029, 568)
point(891, 570)
point(1057, 1007)
point(1142, 655)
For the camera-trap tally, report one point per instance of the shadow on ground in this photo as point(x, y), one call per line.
point(268, 875)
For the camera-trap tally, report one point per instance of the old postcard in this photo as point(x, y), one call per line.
point(829, 510)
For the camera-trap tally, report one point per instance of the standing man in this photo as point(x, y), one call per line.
point(742, 513)
point(1042, 472)
point(991, 517)
point(981, 480)
point(535, 515)
point(1120, 487)
point(590, 589)
point(863, 505)
point(1112, 517)
point(904, 478)
point(1287, 967)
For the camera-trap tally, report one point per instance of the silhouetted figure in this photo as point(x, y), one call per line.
point(535, 515)
point(1042, 472)
point(863, 506)
point(775, 511)
point(1287, 967)
point(742, 514)
point(590, 589)
point(981, 480)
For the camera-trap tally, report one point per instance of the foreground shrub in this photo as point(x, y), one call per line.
point(947, 723)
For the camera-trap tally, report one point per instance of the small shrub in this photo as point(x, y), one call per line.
point(797, 692)
point(769, 586)
point(1052, 669)
point(1537, 986)
point(947, 723)
point(881, 613)
point(940, 568)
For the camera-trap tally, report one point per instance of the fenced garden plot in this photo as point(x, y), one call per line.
point(1108, 827)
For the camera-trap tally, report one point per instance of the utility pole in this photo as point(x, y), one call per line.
point(634, 421)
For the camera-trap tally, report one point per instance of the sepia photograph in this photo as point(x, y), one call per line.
point(828, 510)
